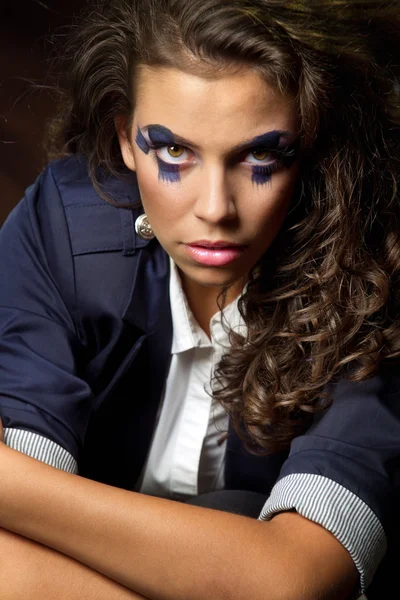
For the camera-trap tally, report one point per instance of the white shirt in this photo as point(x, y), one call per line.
point(187, 454)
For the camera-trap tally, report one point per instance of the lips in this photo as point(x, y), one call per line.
point(215, 254)
point(218, 244)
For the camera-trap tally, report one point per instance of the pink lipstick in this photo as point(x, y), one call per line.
point(214, 254)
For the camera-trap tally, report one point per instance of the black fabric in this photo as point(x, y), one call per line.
point(240, 502)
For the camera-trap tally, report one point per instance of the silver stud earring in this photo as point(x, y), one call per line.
point(143, 228)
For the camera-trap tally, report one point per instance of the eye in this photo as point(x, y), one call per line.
point(173, 154)
point(175, 151)
point(259, 156)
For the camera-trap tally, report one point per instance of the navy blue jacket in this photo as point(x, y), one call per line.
point(85, 338)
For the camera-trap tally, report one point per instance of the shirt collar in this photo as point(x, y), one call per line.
point(187, 333)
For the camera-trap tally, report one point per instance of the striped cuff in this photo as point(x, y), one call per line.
point(41, 448)
point(338, 510)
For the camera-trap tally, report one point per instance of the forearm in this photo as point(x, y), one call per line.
point(30, 570)
point(159, 548)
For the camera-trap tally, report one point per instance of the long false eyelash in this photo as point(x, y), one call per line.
point(161, 163)
point(285, 152)
point(288, 154)
point(262, 174)
point(158, 145)
point(288, 150)
point(166, 171)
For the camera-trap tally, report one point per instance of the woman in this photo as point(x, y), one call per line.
point(226, 213)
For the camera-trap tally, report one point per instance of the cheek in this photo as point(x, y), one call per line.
point(264, 216)
point(281, 198)
point(267, 205)
point(163, 202)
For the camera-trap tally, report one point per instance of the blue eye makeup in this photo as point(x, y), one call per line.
point(158, 137)
point(142, 142)
point(168, 172)
point(158, 140)
point(279, 156)
point(263, 174)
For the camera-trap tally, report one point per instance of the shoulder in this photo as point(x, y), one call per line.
point(64, 188)
point(73, 182)
point(85, 246)
point(62, 212)
point(65, 191)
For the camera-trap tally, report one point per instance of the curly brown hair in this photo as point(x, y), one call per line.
point(324, 300)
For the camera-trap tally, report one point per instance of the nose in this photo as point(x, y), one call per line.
point(215, 202)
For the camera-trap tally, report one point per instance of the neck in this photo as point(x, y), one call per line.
point(203, 300)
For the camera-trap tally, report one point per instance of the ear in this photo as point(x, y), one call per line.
point(124, 142)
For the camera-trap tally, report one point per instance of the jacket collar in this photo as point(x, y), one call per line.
point(148, 303)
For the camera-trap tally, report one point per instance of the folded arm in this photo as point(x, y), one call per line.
point(164, 549)
point(30, 570)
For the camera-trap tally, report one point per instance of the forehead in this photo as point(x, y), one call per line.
point(222, 111)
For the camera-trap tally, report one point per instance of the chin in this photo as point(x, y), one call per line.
point(213, 277)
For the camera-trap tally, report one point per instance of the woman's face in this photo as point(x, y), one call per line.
point(216, 165)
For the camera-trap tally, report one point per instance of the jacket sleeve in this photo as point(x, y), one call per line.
point(44, 403)
point(343, 473)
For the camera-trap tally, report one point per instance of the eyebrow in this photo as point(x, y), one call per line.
point(159, 134)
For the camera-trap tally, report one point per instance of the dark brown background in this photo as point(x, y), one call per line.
point(26, 54)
